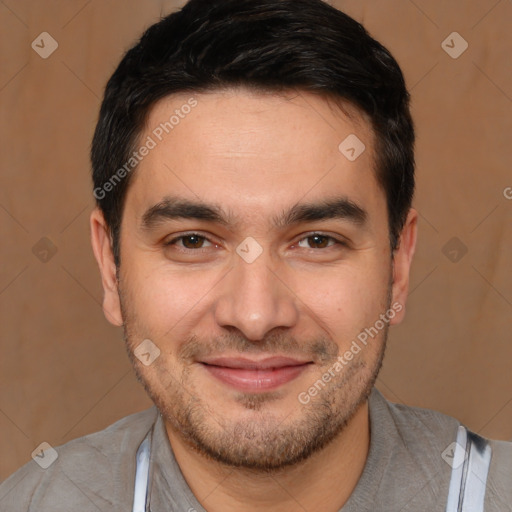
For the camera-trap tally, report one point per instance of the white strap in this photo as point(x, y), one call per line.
point(459, 455)
point(473, 495)
point(141, 476)
point(471, 461)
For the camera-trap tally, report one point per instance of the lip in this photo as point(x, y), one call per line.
point(255, 375)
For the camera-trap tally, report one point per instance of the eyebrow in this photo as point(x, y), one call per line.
point(173, 208)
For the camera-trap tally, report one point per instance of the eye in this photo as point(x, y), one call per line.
point(320, 241)
point(189, 241)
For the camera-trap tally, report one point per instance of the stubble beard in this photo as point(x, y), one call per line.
point(261, 442)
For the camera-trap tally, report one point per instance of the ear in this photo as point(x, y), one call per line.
point(402, 259)
point(102, 247)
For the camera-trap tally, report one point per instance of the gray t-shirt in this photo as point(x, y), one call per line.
point(404, 470)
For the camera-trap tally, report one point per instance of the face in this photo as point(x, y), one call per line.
point(254, 254)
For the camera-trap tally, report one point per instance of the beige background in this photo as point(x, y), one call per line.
point(63, 369)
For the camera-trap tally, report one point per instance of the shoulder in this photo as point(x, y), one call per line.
point(419, 429)
point(428, 435)
point(85, 474)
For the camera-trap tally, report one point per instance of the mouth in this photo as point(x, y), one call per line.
point(255, 375)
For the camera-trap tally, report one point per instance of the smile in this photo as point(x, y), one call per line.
point(253, 376)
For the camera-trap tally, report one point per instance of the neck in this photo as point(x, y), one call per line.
point(324, 481)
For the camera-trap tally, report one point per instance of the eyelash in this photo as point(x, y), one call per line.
point(201, 249)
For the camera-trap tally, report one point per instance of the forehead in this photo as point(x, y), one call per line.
point(254, 151)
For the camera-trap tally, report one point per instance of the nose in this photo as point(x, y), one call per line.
point(255, 299)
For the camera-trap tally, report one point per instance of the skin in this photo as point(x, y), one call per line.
point(257, 155)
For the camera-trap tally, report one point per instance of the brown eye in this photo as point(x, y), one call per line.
point(318, 241)
point(191, 242)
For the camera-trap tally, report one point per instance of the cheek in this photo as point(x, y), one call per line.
point(163, 299)
point(346, 301)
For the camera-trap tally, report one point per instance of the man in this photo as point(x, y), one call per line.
point(253, 168)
